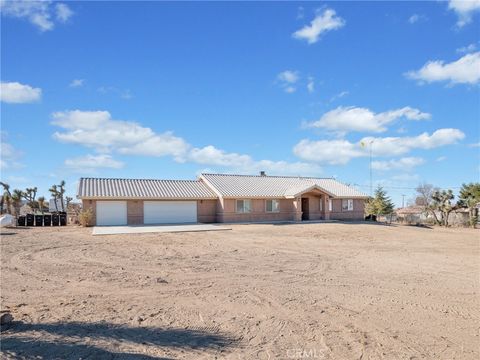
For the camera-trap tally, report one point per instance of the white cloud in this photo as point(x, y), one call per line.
point(210, 155)
point(89, 163)
point(344, 119)
point(8, 154)
point(63, 12)
point(467, 49)
point(465, 70)
point(311, 84)
point(334, 152)
point(38, 13)
point(16, 93)
point(97, 130)
point(125, 94)
point(464, 10)
point(288, 79)
point(441, 158)
point(416, 18)
point(406, 163)
point(323, 22)
point(77, 83)
point(342, 151)
point(339, 96)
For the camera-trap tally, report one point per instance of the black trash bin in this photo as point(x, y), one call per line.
point(47, 220)
point(21, 220)
point(63, 219)
point(55, 220)
point(30, 219)
point(38, 220)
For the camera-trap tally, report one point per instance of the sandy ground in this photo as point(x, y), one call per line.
point(309, 291)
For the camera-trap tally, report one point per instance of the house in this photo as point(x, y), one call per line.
point(219, 198)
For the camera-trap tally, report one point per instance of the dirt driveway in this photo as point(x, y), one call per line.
point(310, 291)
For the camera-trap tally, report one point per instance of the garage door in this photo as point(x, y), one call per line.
point(111, 213)
point(169, 212)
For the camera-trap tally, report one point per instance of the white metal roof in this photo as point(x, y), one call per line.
point(143, 189)
point(252, 186)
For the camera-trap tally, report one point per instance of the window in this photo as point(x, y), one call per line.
point(272, 206)
point(347, 205)
point(330, 207)
point(244, 206)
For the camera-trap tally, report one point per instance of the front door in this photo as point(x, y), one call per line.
point(305, 212)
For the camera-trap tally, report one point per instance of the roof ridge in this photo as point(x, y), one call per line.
point(272, 176)
point(137, 179)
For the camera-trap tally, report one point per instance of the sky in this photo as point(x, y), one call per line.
point(170, 90)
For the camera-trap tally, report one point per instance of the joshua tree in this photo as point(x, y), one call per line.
point(61, 192)
point(16, 197)
point(442, 201)
point(6, 198)
point(469, 198)
point(41, 203)
point(54, 191)
point(29, 195)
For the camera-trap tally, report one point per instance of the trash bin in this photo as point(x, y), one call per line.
point(30, 219)
point(55, 220)
point(63, 219)
point(21, 220)
point(47, 220)
point(38, 220)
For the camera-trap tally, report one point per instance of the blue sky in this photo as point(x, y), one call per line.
point(168, 90)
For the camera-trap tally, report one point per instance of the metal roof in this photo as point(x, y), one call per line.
point(143, 189)
point(258, 186)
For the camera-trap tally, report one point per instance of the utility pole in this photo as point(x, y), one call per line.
point(403, 200)
point(371, 170)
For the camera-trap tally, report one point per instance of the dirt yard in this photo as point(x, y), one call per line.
point(309, 291)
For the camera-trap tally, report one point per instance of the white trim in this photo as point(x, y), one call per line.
point(243, 212)
point(272, 211)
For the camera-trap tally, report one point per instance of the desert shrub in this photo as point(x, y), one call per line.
point(85, 217)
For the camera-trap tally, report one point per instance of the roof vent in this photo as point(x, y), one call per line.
point(262, 173)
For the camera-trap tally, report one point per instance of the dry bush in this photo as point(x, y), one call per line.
point(85, 217)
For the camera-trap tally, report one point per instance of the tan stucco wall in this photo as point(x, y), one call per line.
point(356, 214)
point(206, 211)
point(134, 212)
point(227, 212)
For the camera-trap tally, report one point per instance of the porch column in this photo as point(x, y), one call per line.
point(328, 199)
point(297, 206)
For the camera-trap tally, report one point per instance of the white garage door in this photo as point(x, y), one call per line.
point(111, 213)
point(169, 212)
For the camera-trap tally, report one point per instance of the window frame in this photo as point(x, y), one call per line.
point(347, 205)
point(272, 211)
point(243, 207)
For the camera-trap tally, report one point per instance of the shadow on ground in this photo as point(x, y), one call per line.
point(71, 340)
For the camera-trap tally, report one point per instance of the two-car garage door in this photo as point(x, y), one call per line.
point(154, 212)
point(169, 212)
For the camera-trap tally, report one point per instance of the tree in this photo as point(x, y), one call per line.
point(54, 191)
point(16, 197)
point(6, 197)
point(442, 201)
point(41, 204)
point(424, 198)
point(469, 198)
point(380, 204)
point(29, 195)
point(61, 192)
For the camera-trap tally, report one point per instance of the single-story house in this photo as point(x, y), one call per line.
point(219, 198)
